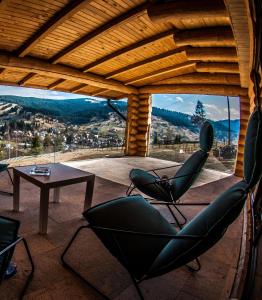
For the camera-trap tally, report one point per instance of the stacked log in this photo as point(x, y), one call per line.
point(244, 116)
point(138, 124)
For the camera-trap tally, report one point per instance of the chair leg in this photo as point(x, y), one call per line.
point(136, 284)
point(8, 193)
point(192, 269)
point(30, 277)
point(174, 216)
point(181, 214)
point(73, 270)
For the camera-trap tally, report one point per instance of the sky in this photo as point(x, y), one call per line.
point(215, 106)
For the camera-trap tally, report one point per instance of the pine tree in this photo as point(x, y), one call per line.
point(199, 117)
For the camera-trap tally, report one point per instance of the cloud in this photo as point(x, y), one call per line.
point(214, 107)
point(37, 93)
point(179, 99)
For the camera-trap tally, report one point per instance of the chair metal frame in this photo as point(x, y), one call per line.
point(173, 203)
point(30, 276)
point(11, 179)
point(135, 281)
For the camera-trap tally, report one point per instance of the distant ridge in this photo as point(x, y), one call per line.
point(86, 110)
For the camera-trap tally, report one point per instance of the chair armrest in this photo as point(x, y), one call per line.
point(148, 234)
point(171, 178)
point(163, 168)
point(19, 239)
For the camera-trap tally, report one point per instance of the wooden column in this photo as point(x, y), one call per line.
point(244, 116)
point(138, 124)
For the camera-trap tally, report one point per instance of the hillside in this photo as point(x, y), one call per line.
point(86, 110)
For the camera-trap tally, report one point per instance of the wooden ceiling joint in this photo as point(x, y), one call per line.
point(93, 35)
point(190, 9)
point(147, 61)
point(56, 20)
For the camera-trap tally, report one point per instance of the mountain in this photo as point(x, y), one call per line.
point(87, 110)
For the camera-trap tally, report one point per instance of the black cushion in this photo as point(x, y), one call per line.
point(8, 234)
point(149, 185)
point(136, 214)
point(3, 167)
point(211, 222)
point(206, 137)
point(188, 173)
point(253, 150)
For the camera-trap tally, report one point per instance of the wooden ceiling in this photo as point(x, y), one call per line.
point(112, 48)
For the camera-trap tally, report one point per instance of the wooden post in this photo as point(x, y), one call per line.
point(138, 124)
point(244, 116)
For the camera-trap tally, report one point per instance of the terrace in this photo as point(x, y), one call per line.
point(131, 49)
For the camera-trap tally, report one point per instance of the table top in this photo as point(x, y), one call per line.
point(60, 175)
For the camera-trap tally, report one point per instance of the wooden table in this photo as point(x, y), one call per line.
point(61, 175)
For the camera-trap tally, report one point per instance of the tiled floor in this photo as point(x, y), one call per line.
point(52, 281)
point(117, 169)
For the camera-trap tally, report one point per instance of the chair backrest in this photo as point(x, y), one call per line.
point(8, 234)
point(214, 220)
point(191, 168)
point(253, 149)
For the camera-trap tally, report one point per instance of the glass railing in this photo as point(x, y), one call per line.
point(221, 158)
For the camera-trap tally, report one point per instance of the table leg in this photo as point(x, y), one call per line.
point(16, 196)
point(56, 195)
point(43, 212)
point(89, 192)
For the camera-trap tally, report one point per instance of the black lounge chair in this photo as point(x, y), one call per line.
point(167, 191)
point(8, 240)
point(3, 168)
point(147, 245)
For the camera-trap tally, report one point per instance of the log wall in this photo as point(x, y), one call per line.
point(244, 116)
point(138, 124)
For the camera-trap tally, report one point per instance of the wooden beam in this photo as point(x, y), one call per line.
point(56, 20)
point(2, 70)
point(206, 37)
point(146, 62)
point(202, 78)
point(190, 9)
point(44, 68)
point(26, 78)
point(241, 20)
point(128, 49)
point(93, 35)
point(212, 54)
point(78, 88)
point(100, 92)
point(56, 83)
point(217, 67)
point(204, 89)
point(167, 70)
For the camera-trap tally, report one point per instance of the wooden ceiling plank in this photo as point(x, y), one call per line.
point(60, 17)
point(23, 81)
point(161, 72)
point(134, 12)
point(56, 83)
point(201, 89)
point(78, 88)
point(34, 65)
point(100, 92)
point(146, 62)
point(203, 78)
point(206, 37)
point(190, 9)
point(216, 54)
point(129, 48)
point(217, 67)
